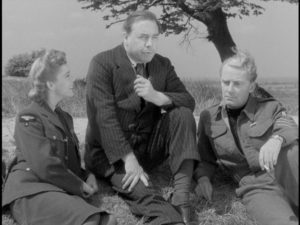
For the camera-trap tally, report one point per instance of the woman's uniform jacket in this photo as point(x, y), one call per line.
point(42, 155)
point(114, 109)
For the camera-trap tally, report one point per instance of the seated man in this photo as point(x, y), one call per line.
point(255, 141)
point(128, 87)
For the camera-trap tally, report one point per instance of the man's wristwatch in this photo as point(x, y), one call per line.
point(278, 137)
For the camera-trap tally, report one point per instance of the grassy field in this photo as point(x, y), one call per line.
point(206, 93)
point(226, 209)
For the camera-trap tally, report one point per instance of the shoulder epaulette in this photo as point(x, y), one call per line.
point(265, 99)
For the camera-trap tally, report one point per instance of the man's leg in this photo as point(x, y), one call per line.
point(287, 172)
point(175, 137)
point(145, 201)
point(265, 200)
point(269, 207)
point(182, 186)
point(181, 137)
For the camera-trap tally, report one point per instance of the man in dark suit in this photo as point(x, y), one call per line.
point(140, 115)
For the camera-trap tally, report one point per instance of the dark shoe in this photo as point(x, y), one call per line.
point(185, 212)
point(186, 215)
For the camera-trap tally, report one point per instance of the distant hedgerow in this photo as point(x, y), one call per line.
point(19, 65)
point(206, 93)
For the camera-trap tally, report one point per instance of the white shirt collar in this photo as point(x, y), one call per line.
point(133, 63)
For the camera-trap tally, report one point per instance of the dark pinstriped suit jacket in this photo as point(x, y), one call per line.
point(113, 106)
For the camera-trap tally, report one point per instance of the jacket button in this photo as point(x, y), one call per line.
point(66, 157)
point(27, 169)
point(54, 137)
point(131, 126)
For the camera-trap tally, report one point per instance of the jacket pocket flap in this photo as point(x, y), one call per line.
point(216, 130)
point(54, 135)
point(260, 128)
point(21, 166)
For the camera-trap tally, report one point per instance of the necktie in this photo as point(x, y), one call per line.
point(140, 69)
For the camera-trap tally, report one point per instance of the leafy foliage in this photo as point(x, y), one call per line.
point(177, 16)
point(19, 65)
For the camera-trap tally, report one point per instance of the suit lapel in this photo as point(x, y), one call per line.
point(124, 68)
point(124, 79)
point(155, 74)
point(125, 76)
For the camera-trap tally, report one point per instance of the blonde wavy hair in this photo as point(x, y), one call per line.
point(45, 69)
point(242, 60)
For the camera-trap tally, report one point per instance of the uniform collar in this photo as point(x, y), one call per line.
point(249, 109)
point(48, 113)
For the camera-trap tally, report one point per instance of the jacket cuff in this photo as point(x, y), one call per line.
point(85, 174)
point(289, 136)
point(168, 107)
point(204, 169)
point(82, 193)
point(114, 158)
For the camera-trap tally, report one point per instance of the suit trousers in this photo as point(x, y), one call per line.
point(173, 138)
point(271, 198)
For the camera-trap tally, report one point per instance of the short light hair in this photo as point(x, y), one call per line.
point(139, 15)
point(44, 69)
point(241, 60)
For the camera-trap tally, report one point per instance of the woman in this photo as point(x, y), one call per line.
point(46, 184)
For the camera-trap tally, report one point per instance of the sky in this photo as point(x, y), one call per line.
point(272, 38)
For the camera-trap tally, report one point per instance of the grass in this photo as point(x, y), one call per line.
point(226, 209)
point(14, 97)
point(206, 93)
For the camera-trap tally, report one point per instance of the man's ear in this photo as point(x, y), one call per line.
point(50, 85)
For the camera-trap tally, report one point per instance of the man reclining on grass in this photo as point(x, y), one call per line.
point(255, 141)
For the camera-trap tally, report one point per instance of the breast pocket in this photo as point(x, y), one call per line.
point(57, 142)
point(123, 84)
point(223, 145)
point(260, 132)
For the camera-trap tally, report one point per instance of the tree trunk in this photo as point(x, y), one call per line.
point(219, 35)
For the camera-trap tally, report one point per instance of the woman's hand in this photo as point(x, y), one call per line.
point(90, 187)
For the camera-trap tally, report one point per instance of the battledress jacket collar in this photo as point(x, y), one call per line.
point(249, 109)
point(44, 109)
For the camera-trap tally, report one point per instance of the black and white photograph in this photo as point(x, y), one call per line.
point(161, 112)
